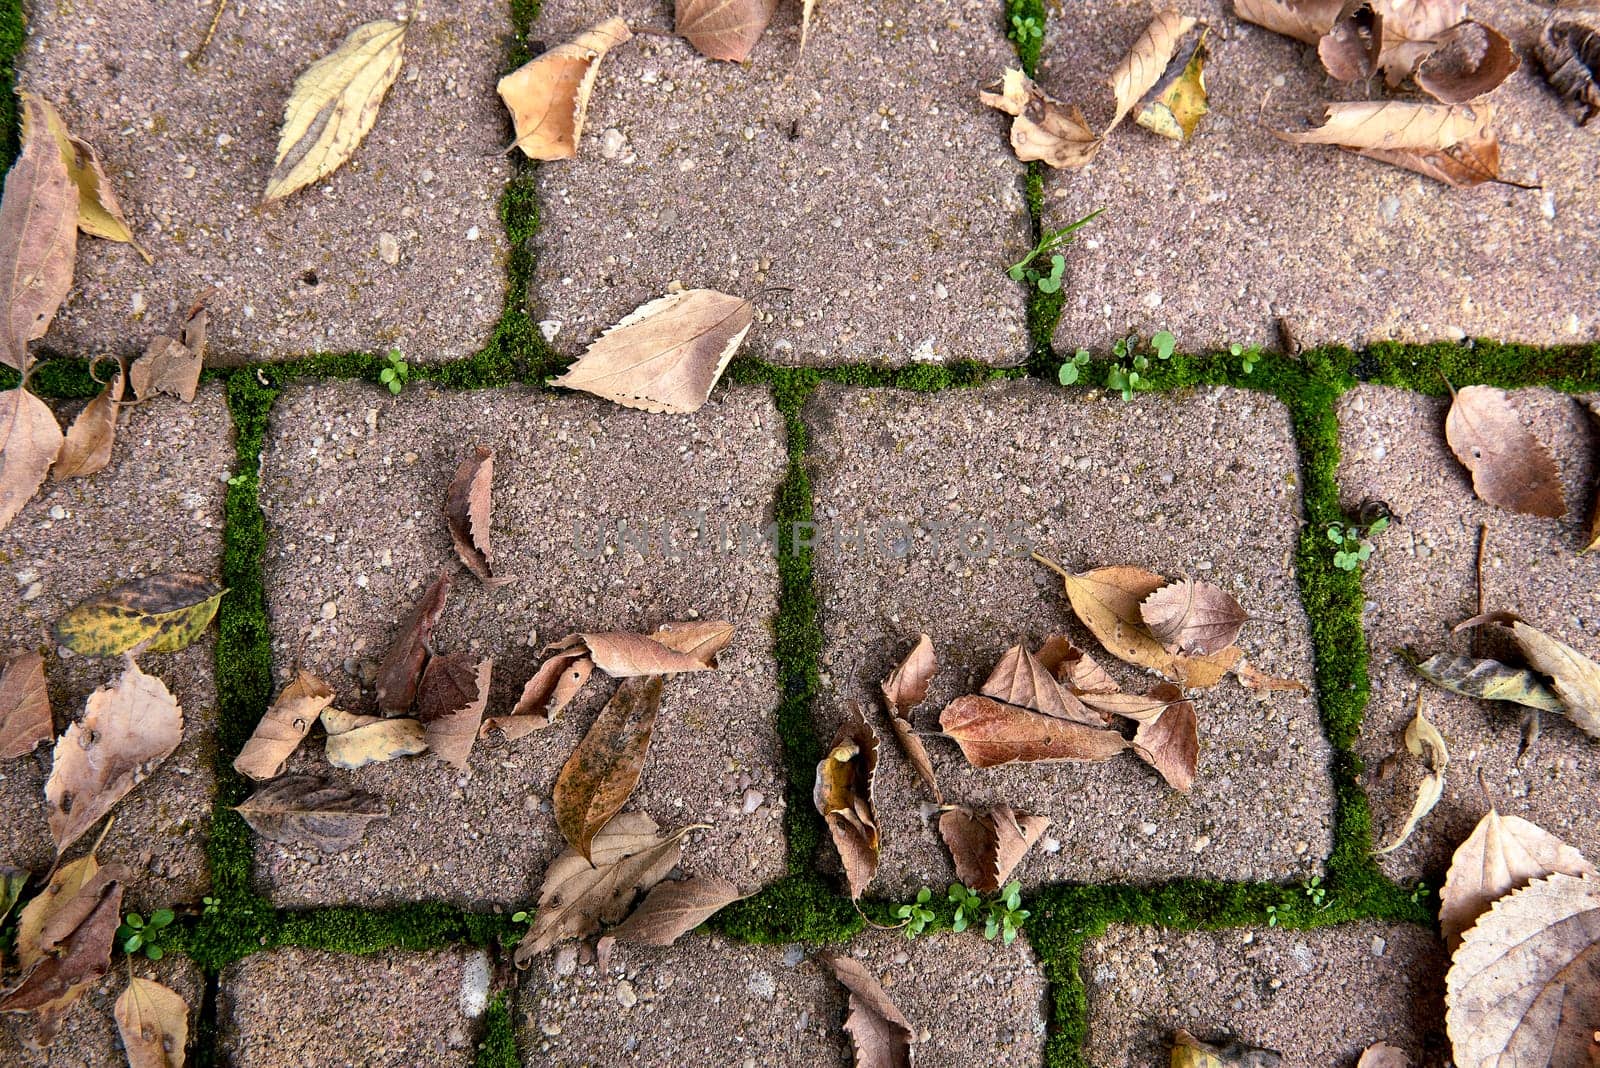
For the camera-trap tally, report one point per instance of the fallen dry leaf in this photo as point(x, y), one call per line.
point(153, 1021)
point(627, 857)
point(1395, 125)
point(30, 441)
point(1043, 128)
point(1170, 742)
point(173, 365)
point(1489, 680)
point(1570, 55)
point(1193, 616)
point(1592, 538)
point(1461, 166)
point(1522, 988)
point(1413, 30)
point(1071, 665)
point(1574, 677)
point(991, 733)
point(280, 731)
point(1254, 679)
point(64, 941)
point(401, 669)
point(71, 894)
point(987, 845)
point(1423, 741)
point(99, 212)
point(161, 613)
point(128, 728)
point(1304, 20)
point(1502, 854)
point(1471, 60)
point(671, 910)
point(1021, 679)
point(306, 810)
point(333, 105)
point(1510, 467)
point(356, 741)
point(38, 243)
point(669, 649)
point(842, 794)
point(1190, 1052)
point(450, 703)
point(558, 680)
point(1179, 101)
point(667, 355)
point(467, 506)
point(879, 1032)
point(87, 447)
point(25, 719)
point(724, 29)
point(599, 776)
point(1383, 1055)
point(548, 96)
point(1138, 707)
point(1349, 50)
point(905, 689)
point(1146, 61)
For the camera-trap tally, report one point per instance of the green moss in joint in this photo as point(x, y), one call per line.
point(498, 1049)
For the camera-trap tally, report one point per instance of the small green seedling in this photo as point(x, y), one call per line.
point(395, 375)
point(1354, 541)
point(212, 906)
point(1133, 360)
point(1048, 244)
point(137, 933)
point(1072, 370)
point(1025, 29)
point(917, 915)
point(1272, 915)
point(1249, 356)
point(969, 907)
point(1315, 891)
point(1419, 893)
point(1006, 914)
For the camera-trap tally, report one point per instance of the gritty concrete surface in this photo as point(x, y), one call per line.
point(1216, 239)
point(1422, 580)
point(355, 534)
point(88, 1037)
point(862, 182)
point(156, 508)
point(388, 1010)
point(189, 151)
point(1205, 482)
point(707, 1000)
point(1317, 997)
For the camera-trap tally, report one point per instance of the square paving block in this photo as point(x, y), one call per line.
point(1218, 238)
point(88, 1037)
point(401, 247)
point(862, 182)
point(1422, 580)
point(157, 508)
point(1203, 482)
point(708, 1000)
point(352, 485)
point(1317, 997)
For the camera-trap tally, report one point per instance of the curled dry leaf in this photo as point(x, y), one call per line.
point(356, 741)
point(1461, 166)
point(1304, 20)
point(1071, 665)
point(1349, 50)
point(843, 795)
point(558, 680)
point(401, 668)
point(669, 649)
point(128, 728)
point(879, 1031)
point(1510, 467)
point(99, 212)
point(306, 810)
point(667, 354)
point(1413, 30)
point(1043, 128)
point(905, 689)
point(1502, 854)
point(991, 733)
point(1179, 102)
point(548, 96)
point(987, 845)
point(153, 1021)
point(24, 704)
point(1396, 125)
point(724, 29)
point(1190, 1052)
point(1570, 54)
point(671, 910)
point(1021, 679)
point(467, 506)
point(1146, 61)
point(1424, 741)
point(1524, 987)
point(64, 940)
point(333, 105)
point(87, 447)
point(1170, 742)
point(450, 703)
point(599, 776)
point(1471, 60)
point(1383, 1055)
point(170, 365)
point(30, 441)
point(161, 613)
point(281, 730)
point(1254, 679)
point(1489, 680)
point(38, 243)
point(628, 856)
point(1193, 616)
point(1574, 677)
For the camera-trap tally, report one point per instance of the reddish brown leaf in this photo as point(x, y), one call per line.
point(843, 795)
point(30, 441)
point(1193, 616)
point(401, 669)
point(1349, 50)
point(1139, 707)
point(724, 29)
point(879, 1031)
point(87, 447)
point(1510, 467)
point(1304, 20)
point(671, 910)
point(991, 733)
point(280, 731)
point(25, 719)
point(1021, 679)
point(987, 845)
point(558, 680)
point(38, 241)
point(306, 810)
point(905, 689)
point(467, 506)
point(1471, 60)
point(173, 366)
point(673, 647)
point(600, 775)
point(71, 949)
point(1074, 667)
point(1170, 743)
point(450, 703)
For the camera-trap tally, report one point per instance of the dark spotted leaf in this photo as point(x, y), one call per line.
point(601, 773)
point(450, 704)
point(305, 810)
point(163, 613)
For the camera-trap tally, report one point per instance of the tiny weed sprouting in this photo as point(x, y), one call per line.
point(1132, 360)
point(1249, 356)
point(1353, 540)
point(1315, 892)
point(1025, 29)
point(1272, 915)
point(211, 906)
point(917, 914)
point(1073, 368)
point(137, 933)
point(519, 916)
point(1049, 282)
point(397, 373)
point(969, 907)
point(1006, 914)
point(1419, 893)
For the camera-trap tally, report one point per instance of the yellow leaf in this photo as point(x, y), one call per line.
point(549, 96)
point(154, 1024)
point(99, 212)
point(167, 611)
point(1424, 741)
point(1178, 108)
point(1145, 62)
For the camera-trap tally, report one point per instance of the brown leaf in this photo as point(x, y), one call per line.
point(1071, 665)
point(87, 447)
point(1510, 467)
point(1524, 988)
point(842, 793)
point(305, 810)
point(905, 689)
point(1170, 742)
point(450, 703)
point(1146, 61)
point(356, 741)
point(1472, 59)
point(1396, 125)
point(167, 366)
point(549, 96)
point(1489, 680)
point(599, 776)
point(1574, 677)
point(128, 728)
point(1570, 55)
point(280, 731)
point(1304, 20)
point(1043, 128)
point(558, 680)
point(1139, 707)
point(725, 29)
point(467, 510)
point(991, 734)
point(401, 669)
point(1424, 741)
point(30, 440)
point(1412, 30)
point(1461, 166)
point(1193, 616)
point(38, 243)
point(1254, 679)
point(24, 704)
point(153, 1021)
point(671, 910)
point(628, 856)
point(1190, 1052)
point(879, 1031)
point(669, 649)
point(1383, 1055)
point(1349, 50)
point(73, 953)
point(1020, 679)
point(99, 212)
point(667, 354)
point(987, 845)
point(1592, 539)
point(1502, 854)
point(71, 895)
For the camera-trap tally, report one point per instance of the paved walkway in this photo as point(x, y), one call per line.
point(896, 379)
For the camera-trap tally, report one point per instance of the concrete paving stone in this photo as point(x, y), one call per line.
point(353, 482)
point(1216, 239)
point(88, 1037)
point(863, 183)
point(1204, 482)
point(189, 151)
point(1317, 997)
point(157, 508)
point(708, 1000)
point(1422, 580)
point(393, 1009)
